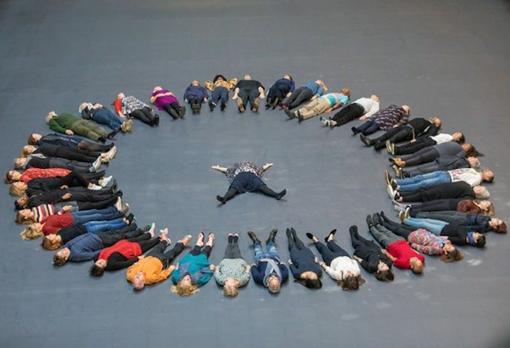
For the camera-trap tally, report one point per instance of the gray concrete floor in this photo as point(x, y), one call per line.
point(446, 58)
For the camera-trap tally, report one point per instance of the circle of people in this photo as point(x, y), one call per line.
point(65, 197)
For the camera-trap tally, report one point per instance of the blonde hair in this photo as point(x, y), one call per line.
point(484, 193)
point(31, 232)
point(181, 290)
point(15, 190)
point(230, 290)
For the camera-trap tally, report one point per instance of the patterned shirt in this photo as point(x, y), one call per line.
point(390, 116)
point(42, 212)
point(426, 242)
point(130, 104)
point(237, 269)
point(243, 167)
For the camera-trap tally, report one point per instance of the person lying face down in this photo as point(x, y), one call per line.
point(132, 107)
point(194, 269)
point(219, 87)
point(337, 262)
point(246, 177)
point(370, 256)
point(195, 95)
point(167, 101)
point(268, 271)
point(102, 115)
point(233, 272)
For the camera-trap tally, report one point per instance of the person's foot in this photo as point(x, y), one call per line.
point(272, 235)
point(299, 117)
point(289, 114)
point(105, 181)
point(370, 222)
point(121, 206)
point(404, 214)
point(324, 121)
point(211, 106)
point(253, 237)
point(230, 238)
point(255, 108)
point(388, 146)
point(394, 184)
point(200, 239)
point(399, 162)
point(182, 112)
point(332, 124)
point(365, 140)
point(186, 239)
point(152, 230)
point(312, 237)
point(391, 192)
point(112, 152)
point(221, 200)
point(223, 106)
point(127, 126)
point(130, 218)
point(94, 187)
point(387, 177)
point(156, 120)
point(97, 164)
point(281, 194)
point(376, 219)
point(210, 239)
point(392, 149)
point(398, 171)
point(163, 235)
point(102, 139)
point(354, 131)
point(241, 108)
point(330, 236)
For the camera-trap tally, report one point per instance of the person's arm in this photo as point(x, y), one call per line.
point(285, 272)
point(236, 93)
point(391, 257)
point(218, 275)
point(372, 111)
point(294, 270)
point(159, 276)
point(219, 168)
point(54, 125)
point(118, 261)
point(262, 92)
point(422, 248)
point(267, 166)
point(257, 276)
point(84, 256)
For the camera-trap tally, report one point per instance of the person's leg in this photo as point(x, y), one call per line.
point(272, 250)
point(382, 235)
point(81, 217)
point(97, 205)
point(372, 128)
point(74, 155)
point(410, 148)
point(171, 111)
point(141, 116)
point(106, 117)
point(407, 197)
point(426, 156)
point(101, 226)
point(424, 181)
point(223, 97)
point(159, 250)
point(253, 98)
point(232, 251)
point(243, 96)
point(434, 226)
point(92, 146)
point(336, 249)
point(264, 189)
point(347, 114)
point(292, 97)
point(147, 244)
point(312, 108)
point(215, 97)
point(397, 229)
point(386, 135)
point(258, 250)
point(304, 95)
point(150, 117)
point(327, 255)
point(290, 240)
point(406, 133)
point(96, 128)
point(299, 243)
point(75, 179)
point(231, 193)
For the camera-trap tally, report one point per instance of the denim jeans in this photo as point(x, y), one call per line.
point(219, 94)
point(107, 117)
point(110, 213)
point(431, 225)
point(368, 127)
point(423, 181)
point(271, 252)
point(102, 226)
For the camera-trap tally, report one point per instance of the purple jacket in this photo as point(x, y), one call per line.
point(161, 102)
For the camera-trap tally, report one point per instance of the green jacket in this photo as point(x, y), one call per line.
point(62, 122)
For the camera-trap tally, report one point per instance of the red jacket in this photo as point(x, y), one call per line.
point(34, 173)
point(403, 253)
point(54, 223)
point(128, 249)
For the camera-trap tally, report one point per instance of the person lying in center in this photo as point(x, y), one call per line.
point(361, 109)
point(194, 269)
point(233, 272)
point(167, 101)
point(303, 264)
point(102, 115)
point(370, 256)
point(458, 189)
point(156, 266)
point(337, 263)
point(424, 141)
point(268, 271)
point(385, 119)
point(246, 177)
point(324, 104)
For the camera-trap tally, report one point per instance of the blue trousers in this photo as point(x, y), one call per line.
point(108, 118)
point(431, 225)
point(423, 181)
point(81, 217)
point(368, 128)
point(271, 252)
point(219, 94)
point(103, 226)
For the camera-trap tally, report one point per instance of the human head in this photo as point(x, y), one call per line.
point(346, 92)
point(185, 287)
point(470, 150)
point(195, 83)
point(27, 150)
point(51, 242)
point(417, 265)
point(481, 192)
point(231, 287)
point(322, 84)
point(121, 95)
point(288, 77)
point(12, 176)
point(20, 163)
point(21, 202)
point(310, 280)
point(84, 106)
point(50, 116)
point(384, 276)
point(486, 206)
point(139, 281)
point(157, 88)
point(476, 239)
point(34, 138)
point(97, 269)
point(351, 282)
point(60, 258)
point(375, 98)
point(487, 175)
point(407, 109)
point(458, 137)
point(219, 77)
point(436, 121)
point(498, 225)
point(451, 253)
point(18, 188)
point(32, 231)
point(473, 162)
point(24, 216)
point(273, 284)
point(247, 77)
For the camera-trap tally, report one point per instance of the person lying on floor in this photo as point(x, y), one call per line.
point(165, 100)
point(337, 263)
point(439, 164)
point(132, 107)
point(194, 270)
point(102, 115)
point(385, 119)
point(54, 223)
point(324, 104)
point(220, 87)
point(422, 240)
point(43, 162)
point(123, 254)
point(248, 92)
point(268, 270)
point(195, 95)
point(41, 212)
point(72, 141)
point(457, 234)
point(233, 272)
point(32, 173)
point(156, 266)
point(56, 240)
point(246, 177)
point(303, 264)
point(370, 256)
point(474, 222)
point(396, 248)
point(280, 90)
point(458, 189)
point(468, 175)
point(433, 152)
point(424, 141)
point(50, 150)
point(414, 128)
point(70, 124)
point(361, 109)
point(311, 90)
point(462, 205)
point(86, 247)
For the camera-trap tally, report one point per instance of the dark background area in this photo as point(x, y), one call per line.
point(445, 58)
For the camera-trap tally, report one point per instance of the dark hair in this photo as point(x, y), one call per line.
point(219, 76)
point(31, 140)
point(501, 228)
point(462, 138)
point(351, 283)
point(473, 152)
point(452, 256)
point(480, 242)
point(58, 261)
point(48, 244)
point(313, 283)
point(96, 271)
point(385, 276)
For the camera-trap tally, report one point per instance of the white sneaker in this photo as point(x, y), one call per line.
point(94, 187)
point(105, 181)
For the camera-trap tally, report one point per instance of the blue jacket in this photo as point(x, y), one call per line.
point(258, 272)
point(285, 85)
point(195, 92)
point(197, 266)
point(60, 139)
point(315, 88)
point(84, 248)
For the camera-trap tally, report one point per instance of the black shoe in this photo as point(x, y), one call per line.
point(353, 229)
point(156, 120)
point(220, 199)
point(230, 239)
point(182, 112)
point(366, 140)
point(289, 114)
point(272, 235)
point(332, 233)
point(253, 237)
point(102, 139)
point(267, 106)
point(223, 106)
point(309, 235)
point(370, 222)
point(281, 194)
point(130, 218)
point(211, 106)
point(354, 131)
point(376, 219)
point(288, 232)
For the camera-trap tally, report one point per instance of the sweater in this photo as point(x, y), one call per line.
point(369, 105)
point(267, 267)
point(389, 117)
point(237, 269)
point(84, 247)
point(426, 242)
point(34, 173)
point(54, 223)
point(371, 254)
point(164, 100)
point(195, 92)
point(63, 121)
point(458, 189)
point(152, 269)
point(303, 260)
point(197, 266)
point(468, 175)
point(340, 266)
point(120, 255)
point(403, 254)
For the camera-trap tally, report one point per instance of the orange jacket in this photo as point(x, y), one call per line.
point(152, 269)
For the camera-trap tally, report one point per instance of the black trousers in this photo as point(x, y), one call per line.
point(298, 97)
point(92, 146)
point(133, 235)
point(145, 115)
point(330, 251)
point(347, 114)
point(168, 256)
point(398, 229)
point(396, 135)
point(249, 96)
point(435, 205)
point(147, 244)
point(232, 250)
point(73, 179)
point(174, 110)
point(410, 148)
point(91, 195)
point(73, 154)
point(201, 250)
point(425, 155)
point(276, 95)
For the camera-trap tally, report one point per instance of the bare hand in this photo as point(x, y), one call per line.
point(67, 196)
point(69, 132)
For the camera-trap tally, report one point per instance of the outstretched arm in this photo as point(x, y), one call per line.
point(219, 168)
point(236, 92)
point(267, 166)
point(262, 92)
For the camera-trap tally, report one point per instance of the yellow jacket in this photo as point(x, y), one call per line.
point(230, 84)
point(152, 269)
